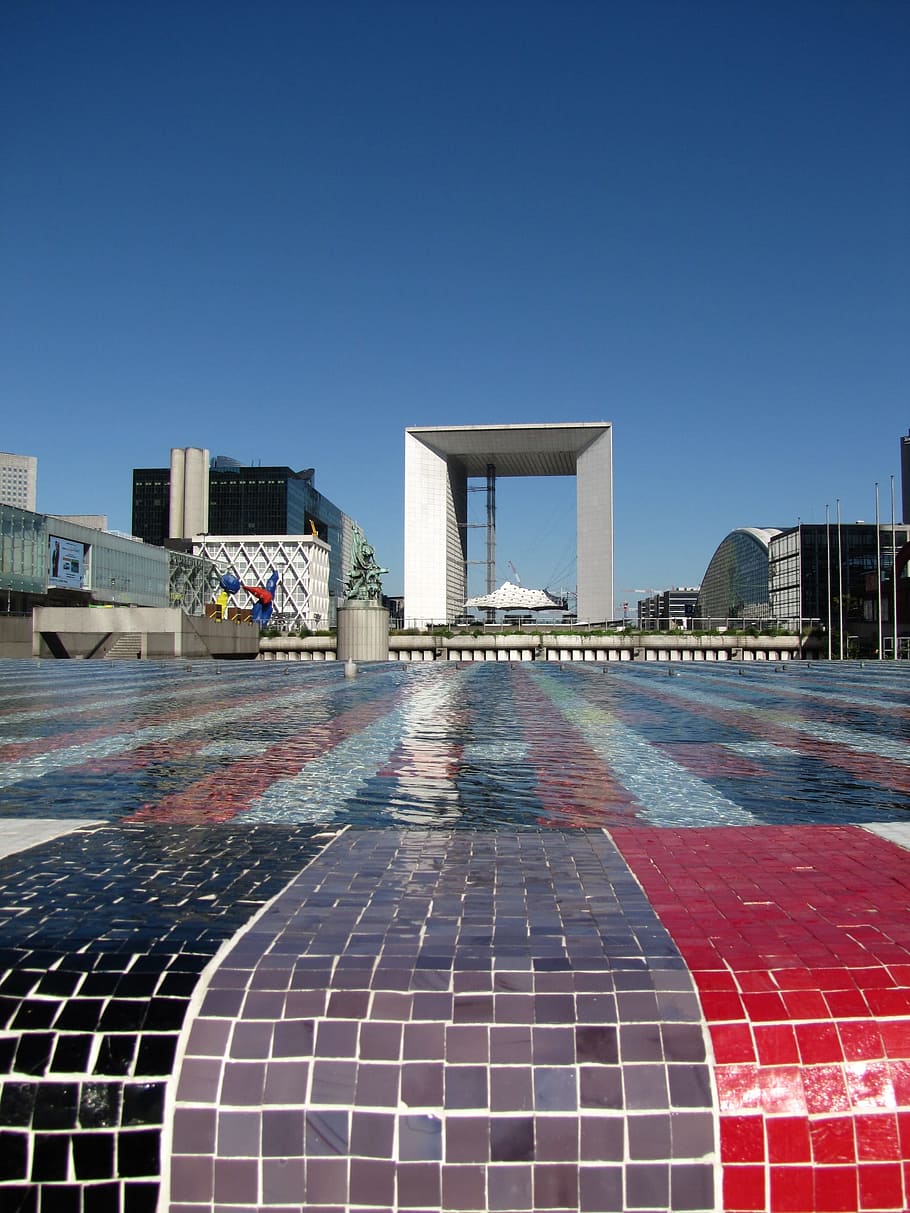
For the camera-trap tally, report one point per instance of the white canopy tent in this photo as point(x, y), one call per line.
point(511, 597)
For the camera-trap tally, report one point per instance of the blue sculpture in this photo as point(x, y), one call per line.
point(264, 595)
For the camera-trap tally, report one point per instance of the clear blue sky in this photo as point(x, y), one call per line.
point(286, 231)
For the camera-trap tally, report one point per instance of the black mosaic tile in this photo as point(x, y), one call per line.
point(56, 1106)
point(93, 1155)
point(156, 903)
point(143, 1104)
point(99, 1104)
point(71, 1054)
point(50, 1157)
point(33, 1053)
point(13, 1156)
point(17, 1102)
point(61, 1198)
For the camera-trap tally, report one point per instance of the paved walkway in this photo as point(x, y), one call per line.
point(208, 1009)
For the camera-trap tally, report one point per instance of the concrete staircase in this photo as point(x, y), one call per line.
point(127, 644)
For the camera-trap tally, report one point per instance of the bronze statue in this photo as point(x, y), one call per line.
point(364, 582)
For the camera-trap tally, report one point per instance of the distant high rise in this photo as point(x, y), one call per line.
point(18, 480)
point(905, 478)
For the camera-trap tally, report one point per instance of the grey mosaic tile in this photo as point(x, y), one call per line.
point(492, 1066)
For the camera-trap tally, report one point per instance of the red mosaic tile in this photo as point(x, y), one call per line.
point(742, 1139)
point(818, 1042)
point(782, 1089)
point(861, 1041)
point(825, 999)
point(900, 1081)
point(792, 1189)
point(805, 1004)
point(788, 1139)
point(744, 1189)
point(869, 1084)
point(776, 1044)
point(896, 1038)
point(732, 1042)
point(764, 1008)
point(718, 1005)
point(877, 1137)
point(738, 1088)
point(826, 1089)
point(833, 1139)
point(881, 1186)
point(836, 1190)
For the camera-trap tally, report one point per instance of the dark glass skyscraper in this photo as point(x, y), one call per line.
point(246, 501)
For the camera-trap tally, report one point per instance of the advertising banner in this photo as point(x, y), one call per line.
point(66, 563)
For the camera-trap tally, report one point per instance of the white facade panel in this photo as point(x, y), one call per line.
point(426, 509)
point(594, 524)
point(301, 562)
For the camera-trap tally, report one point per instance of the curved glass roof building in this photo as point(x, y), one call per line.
point(735, 584)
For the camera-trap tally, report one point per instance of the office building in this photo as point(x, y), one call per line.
point(18, 480)
point(734, 588)
point(905, 478)
point(668, 609)
point(197, 497)
point(840, 579)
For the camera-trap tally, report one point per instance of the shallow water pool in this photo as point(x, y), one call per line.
point(521, 745)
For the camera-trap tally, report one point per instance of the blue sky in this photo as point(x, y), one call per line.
point(286, 231)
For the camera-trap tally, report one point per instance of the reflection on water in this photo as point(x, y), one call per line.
point(523, 745)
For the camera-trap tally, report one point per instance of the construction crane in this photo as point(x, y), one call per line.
point(515, 571)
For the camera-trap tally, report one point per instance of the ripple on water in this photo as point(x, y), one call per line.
point(490, 745)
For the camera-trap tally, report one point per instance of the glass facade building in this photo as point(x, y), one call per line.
point(250, 501)
point(46, 560)
point(830, 575)
point(734, 589)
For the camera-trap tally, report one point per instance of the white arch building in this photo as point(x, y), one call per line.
point(437, 466)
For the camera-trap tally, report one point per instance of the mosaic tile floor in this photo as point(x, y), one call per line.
point(481, 938)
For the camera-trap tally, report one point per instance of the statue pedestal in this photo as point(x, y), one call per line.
point(363, 631)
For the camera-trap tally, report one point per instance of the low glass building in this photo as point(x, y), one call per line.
point(734, 589)
point(52, 561)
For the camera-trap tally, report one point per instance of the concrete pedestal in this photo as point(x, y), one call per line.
point(363, 631)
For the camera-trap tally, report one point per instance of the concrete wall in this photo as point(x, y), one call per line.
point(163, 632)
point(594, 527)
point(15, 636)
point(564, 647)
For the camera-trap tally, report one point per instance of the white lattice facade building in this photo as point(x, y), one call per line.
point(301, 562)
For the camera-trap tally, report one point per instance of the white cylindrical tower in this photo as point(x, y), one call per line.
point(178, 481)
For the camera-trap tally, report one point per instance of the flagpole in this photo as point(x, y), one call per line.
point(878, 573)
point(840, 586)
point(799, 585)
point(893, 572)
point(828, 566)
